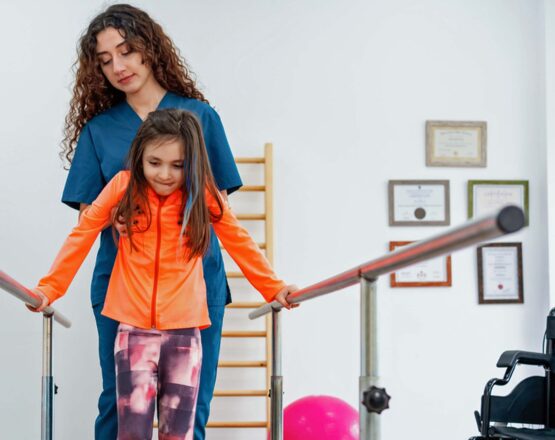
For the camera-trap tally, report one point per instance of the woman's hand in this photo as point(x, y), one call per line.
point(44, 301)
point(119, 223)
point(282, 295)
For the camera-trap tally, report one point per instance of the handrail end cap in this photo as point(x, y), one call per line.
point(511, 219)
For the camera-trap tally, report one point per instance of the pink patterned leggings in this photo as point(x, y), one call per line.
point(160, 366)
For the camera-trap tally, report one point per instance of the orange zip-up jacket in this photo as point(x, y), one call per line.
point(154, 286)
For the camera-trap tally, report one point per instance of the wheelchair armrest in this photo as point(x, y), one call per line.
point(510, 358)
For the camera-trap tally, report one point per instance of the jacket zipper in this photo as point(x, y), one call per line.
point(156, 263)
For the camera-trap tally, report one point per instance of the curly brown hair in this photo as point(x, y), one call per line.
point(93, 93)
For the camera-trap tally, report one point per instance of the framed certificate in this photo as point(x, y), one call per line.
point(488, 196)
point(435, 272)
point(419, 203)
point(500, 273)
point(456, 143)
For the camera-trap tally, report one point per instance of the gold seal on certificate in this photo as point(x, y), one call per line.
point(500, 273)
point(418, 202)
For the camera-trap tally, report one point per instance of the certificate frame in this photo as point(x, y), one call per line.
point(518, 185)
point(516, 297)
point(394, 282)
point(456, 144)
point(445, 208)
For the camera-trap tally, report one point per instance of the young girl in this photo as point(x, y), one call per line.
point(168, 199)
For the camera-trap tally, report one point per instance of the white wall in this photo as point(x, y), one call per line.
point(343, 89)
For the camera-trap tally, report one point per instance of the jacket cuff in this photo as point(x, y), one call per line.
point(275, 289)
point(50, 293)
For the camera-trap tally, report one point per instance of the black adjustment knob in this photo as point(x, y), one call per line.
point(375, 399)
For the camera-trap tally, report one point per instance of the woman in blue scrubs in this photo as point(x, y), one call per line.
point(126, 68)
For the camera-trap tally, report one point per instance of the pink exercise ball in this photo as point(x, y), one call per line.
point(320, 418)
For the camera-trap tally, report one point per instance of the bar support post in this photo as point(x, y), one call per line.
point(47, 398)
point(276, 390)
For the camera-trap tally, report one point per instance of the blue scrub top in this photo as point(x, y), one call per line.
point(101, 153)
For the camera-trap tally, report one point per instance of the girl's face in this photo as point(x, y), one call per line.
point(122, 67)
point(163, 166)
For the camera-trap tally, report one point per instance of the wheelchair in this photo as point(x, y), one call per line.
point(531, 402)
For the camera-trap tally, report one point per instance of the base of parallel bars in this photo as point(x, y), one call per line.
point(369, 422)
point(276, 396)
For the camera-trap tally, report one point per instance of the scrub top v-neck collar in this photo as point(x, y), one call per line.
point(132, 114)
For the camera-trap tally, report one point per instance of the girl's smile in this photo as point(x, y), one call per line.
point(163, 166)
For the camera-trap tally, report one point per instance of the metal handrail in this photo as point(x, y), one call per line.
point(373, 399)
point(507, 220)
point(48, 388)
point(27, 296)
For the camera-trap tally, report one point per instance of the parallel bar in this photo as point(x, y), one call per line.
point(276, 390)
point(234, 275)
point(369, 375)
point(47, 392)
point(507, 220)
point(21, 292)
point(47, 397)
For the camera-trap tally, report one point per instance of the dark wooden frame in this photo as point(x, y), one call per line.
point(481, 299)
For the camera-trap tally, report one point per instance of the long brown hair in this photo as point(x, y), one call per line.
point(93, 93)
point(162, 126)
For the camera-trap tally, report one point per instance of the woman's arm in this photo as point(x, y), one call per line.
point(224, 195)
point(85, 179)
point(82, 207)
point(118, 223)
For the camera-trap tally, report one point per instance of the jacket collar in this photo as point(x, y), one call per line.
point(174, 198)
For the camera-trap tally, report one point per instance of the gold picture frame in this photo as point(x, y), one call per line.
point(456, 144)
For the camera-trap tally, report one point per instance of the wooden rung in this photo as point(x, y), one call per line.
point(242, 364)
point(234, 275)
point(252, 188)
point(245, 305)
point(237, 425)
point(251, 216)
point(250, 160)
point(243, 334)
point(240, 393)
point(260, 245)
